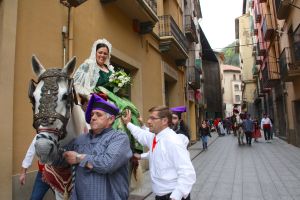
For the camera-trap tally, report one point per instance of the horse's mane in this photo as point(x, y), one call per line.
point(76, 125)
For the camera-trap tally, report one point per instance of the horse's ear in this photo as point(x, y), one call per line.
point(70, 66)
point(37, 67)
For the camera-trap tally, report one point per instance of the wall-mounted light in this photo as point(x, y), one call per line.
point(72, 3)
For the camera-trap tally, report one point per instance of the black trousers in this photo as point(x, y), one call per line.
point(167, 197)
point(248, 137)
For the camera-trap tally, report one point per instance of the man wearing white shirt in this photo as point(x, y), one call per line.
point(171, 170)
point(266, 125)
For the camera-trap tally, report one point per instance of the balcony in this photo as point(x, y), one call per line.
point(262, 90)
point(197, 10)
point(288, 70)
point(143, 12)
point(258, 61)
point(173, 43)
point(261, 51)
point(257, 15)
point(193, 77)
point(251, 3)
point(198, 65)
point(190, 29)
point(254, 71)
point(257, 94)
point(267, 28)
point(282, 8)
point(270, 73)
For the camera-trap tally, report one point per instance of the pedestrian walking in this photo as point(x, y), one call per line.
point(256, 133)
point(171, 170)
point(221, 129)
point(248, 128)
point(204, 134)
point(266, 125)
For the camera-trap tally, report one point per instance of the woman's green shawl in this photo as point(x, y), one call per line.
point(122, 104)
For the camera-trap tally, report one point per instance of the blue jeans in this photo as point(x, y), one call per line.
point(204, 141)
point(40, 188)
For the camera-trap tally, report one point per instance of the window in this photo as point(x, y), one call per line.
point(237, 98)
point(240, 77)
point(234, 77)
point(296, 43)
point(236, 87)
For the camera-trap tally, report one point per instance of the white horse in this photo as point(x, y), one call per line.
point(57, 119)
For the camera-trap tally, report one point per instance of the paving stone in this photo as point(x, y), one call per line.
point(263, 171)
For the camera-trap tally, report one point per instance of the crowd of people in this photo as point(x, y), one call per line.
point(101, 156)
point(242, 125)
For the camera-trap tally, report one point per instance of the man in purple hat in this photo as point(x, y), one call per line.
point(101, 157)
point(178, 124)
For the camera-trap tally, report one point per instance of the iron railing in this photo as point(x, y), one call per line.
point(168, 27)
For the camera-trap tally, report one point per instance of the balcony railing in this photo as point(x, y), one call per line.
point(254, 71)
point(270, 72)
point(141, 10)
point(261, 89)
point(258, 60)
point(198, 65)
point(288, 70)
point(282, 8)
point(193, 77)
point(260, 50)
point(257, 15)
point(190, 29)
point(197, 10)
point(267, 27)
point(251, 3)
point(172, 40)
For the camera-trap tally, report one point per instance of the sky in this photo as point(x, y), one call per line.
point(218, 22)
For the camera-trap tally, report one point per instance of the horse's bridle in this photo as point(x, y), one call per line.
point(48, 102)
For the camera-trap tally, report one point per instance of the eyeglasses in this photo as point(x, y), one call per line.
point(153, 118)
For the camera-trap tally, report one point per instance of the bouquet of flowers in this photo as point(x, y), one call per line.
point(118, 80)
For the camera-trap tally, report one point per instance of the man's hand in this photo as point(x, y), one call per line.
point(127, 117)
point(137, 156)
point(70, 157)
point(22, 178)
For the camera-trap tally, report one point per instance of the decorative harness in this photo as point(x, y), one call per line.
point(47, 114)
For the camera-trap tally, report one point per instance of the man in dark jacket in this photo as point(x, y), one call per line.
point(248, 127)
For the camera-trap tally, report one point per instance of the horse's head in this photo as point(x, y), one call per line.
point(52, 99)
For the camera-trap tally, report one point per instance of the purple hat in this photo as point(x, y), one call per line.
point(98, 103)
point(179, 109)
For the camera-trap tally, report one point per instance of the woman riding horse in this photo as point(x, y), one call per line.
point(92, 77)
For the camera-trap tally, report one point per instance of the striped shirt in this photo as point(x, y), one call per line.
point(109, 153)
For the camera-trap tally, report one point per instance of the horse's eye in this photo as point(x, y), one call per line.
point(65, 97)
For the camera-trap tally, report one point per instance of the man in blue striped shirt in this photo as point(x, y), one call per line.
point(101, 156)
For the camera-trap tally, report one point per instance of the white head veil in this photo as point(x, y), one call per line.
point(87, 75)
point(92, 57)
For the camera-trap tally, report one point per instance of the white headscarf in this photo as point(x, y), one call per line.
point(87, 75)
